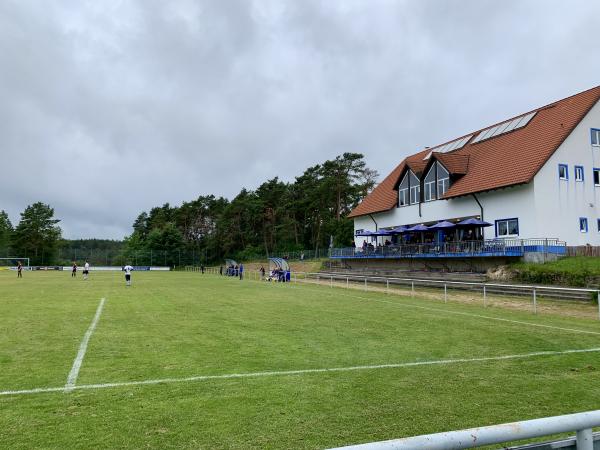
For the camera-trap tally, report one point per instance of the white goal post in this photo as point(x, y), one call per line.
point(11, 263)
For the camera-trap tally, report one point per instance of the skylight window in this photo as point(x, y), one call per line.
point(504, 127)
point(450, 146)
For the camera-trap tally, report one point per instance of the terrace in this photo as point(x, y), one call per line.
point(455, 249)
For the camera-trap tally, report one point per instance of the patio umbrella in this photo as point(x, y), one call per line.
point(382, 233)
point(442, 226)
point(364, 233)
point(445, 225)
point(419, 227)
point(473, 223)
point(399, 230)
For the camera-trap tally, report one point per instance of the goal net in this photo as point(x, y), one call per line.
point(11, 263)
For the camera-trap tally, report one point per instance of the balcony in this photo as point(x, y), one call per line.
point(458, 249)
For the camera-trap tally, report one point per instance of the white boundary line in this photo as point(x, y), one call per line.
point(74, 373)
point(299, 372)
point(446, 311)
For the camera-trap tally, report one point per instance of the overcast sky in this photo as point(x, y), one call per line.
point(108, 108)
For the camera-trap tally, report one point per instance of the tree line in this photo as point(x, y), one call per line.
point(37, 235)
point(277, 217)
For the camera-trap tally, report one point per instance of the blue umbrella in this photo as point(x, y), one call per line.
point(365, 233)
point(473, 223)
point(445, 225)
point(419, 227)
point(399, 230)
point(382, 233)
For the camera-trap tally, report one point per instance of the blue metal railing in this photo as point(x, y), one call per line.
point(487, 248)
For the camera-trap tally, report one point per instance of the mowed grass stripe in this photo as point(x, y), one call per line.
point(177, 325)
point(301, 412)
point(216, 325)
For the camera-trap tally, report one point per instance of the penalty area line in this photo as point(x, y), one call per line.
point(276, 373)
point(74, 373)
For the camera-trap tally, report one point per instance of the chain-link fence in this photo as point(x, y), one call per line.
point(153, 257)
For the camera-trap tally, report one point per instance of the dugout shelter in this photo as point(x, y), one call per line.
point(231, 267)
point(279, 269)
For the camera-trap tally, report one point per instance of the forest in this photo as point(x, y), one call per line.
point(307, 214)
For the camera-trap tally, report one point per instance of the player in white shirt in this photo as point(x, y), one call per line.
point(128, 270)
point(86, 270)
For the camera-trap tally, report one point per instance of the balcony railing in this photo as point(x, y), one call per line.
point(480, 248)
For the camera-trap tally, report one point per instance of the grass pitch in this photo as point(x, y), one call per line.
point(184, 360)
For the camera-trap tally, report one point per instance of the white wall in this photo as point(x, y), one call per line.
point(560, 203)
point(501, 204)
point(547, 207)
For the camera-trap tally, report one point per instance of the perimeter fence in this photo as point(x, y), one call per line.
point(535, 298)
point(163, 257)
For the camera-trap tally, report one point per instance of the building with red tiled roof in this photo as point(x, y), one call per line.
point(535, 175)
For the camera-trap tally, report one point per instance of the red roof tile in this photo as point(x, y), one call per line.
point(515, 156)
point(455, 163)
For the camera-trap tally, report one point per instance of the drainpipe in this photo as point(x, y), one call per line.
point(375, 222)
point(376, 226)
point(480, 208)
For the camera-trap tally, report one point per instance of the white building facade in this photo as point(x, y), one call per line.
point(560, 199)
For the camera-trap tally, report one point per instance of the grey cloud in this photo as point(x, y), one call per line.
point(109, 108)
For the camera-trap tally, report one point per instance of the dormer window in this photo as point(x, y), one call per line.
point(409, 190)
point(443, 180)
point(437, 182)
point(415, 188)
point(430, 182)
point(403, 191)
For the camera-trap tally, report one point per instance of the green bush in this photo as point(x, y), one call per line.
point(570, 271)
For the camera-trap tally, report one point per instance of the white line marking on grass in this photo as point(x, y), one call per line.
point(74, 373)
point(300, 371)
point(446, 311)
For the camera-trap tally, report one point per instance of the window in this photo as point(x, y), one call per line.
point(443, 180)
point(409, 190)
point(415, 194)
point(504, 127)
point(563, 171)
point(583, 225)
point(403, 197)
point(430, 191)
point(596, 177)
point(595, 137)
point(598, 224)
point(436, 182)
point(429, 185)
point(415, 188)
point(507, 227)
point(403, 191)
point(578, 173)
